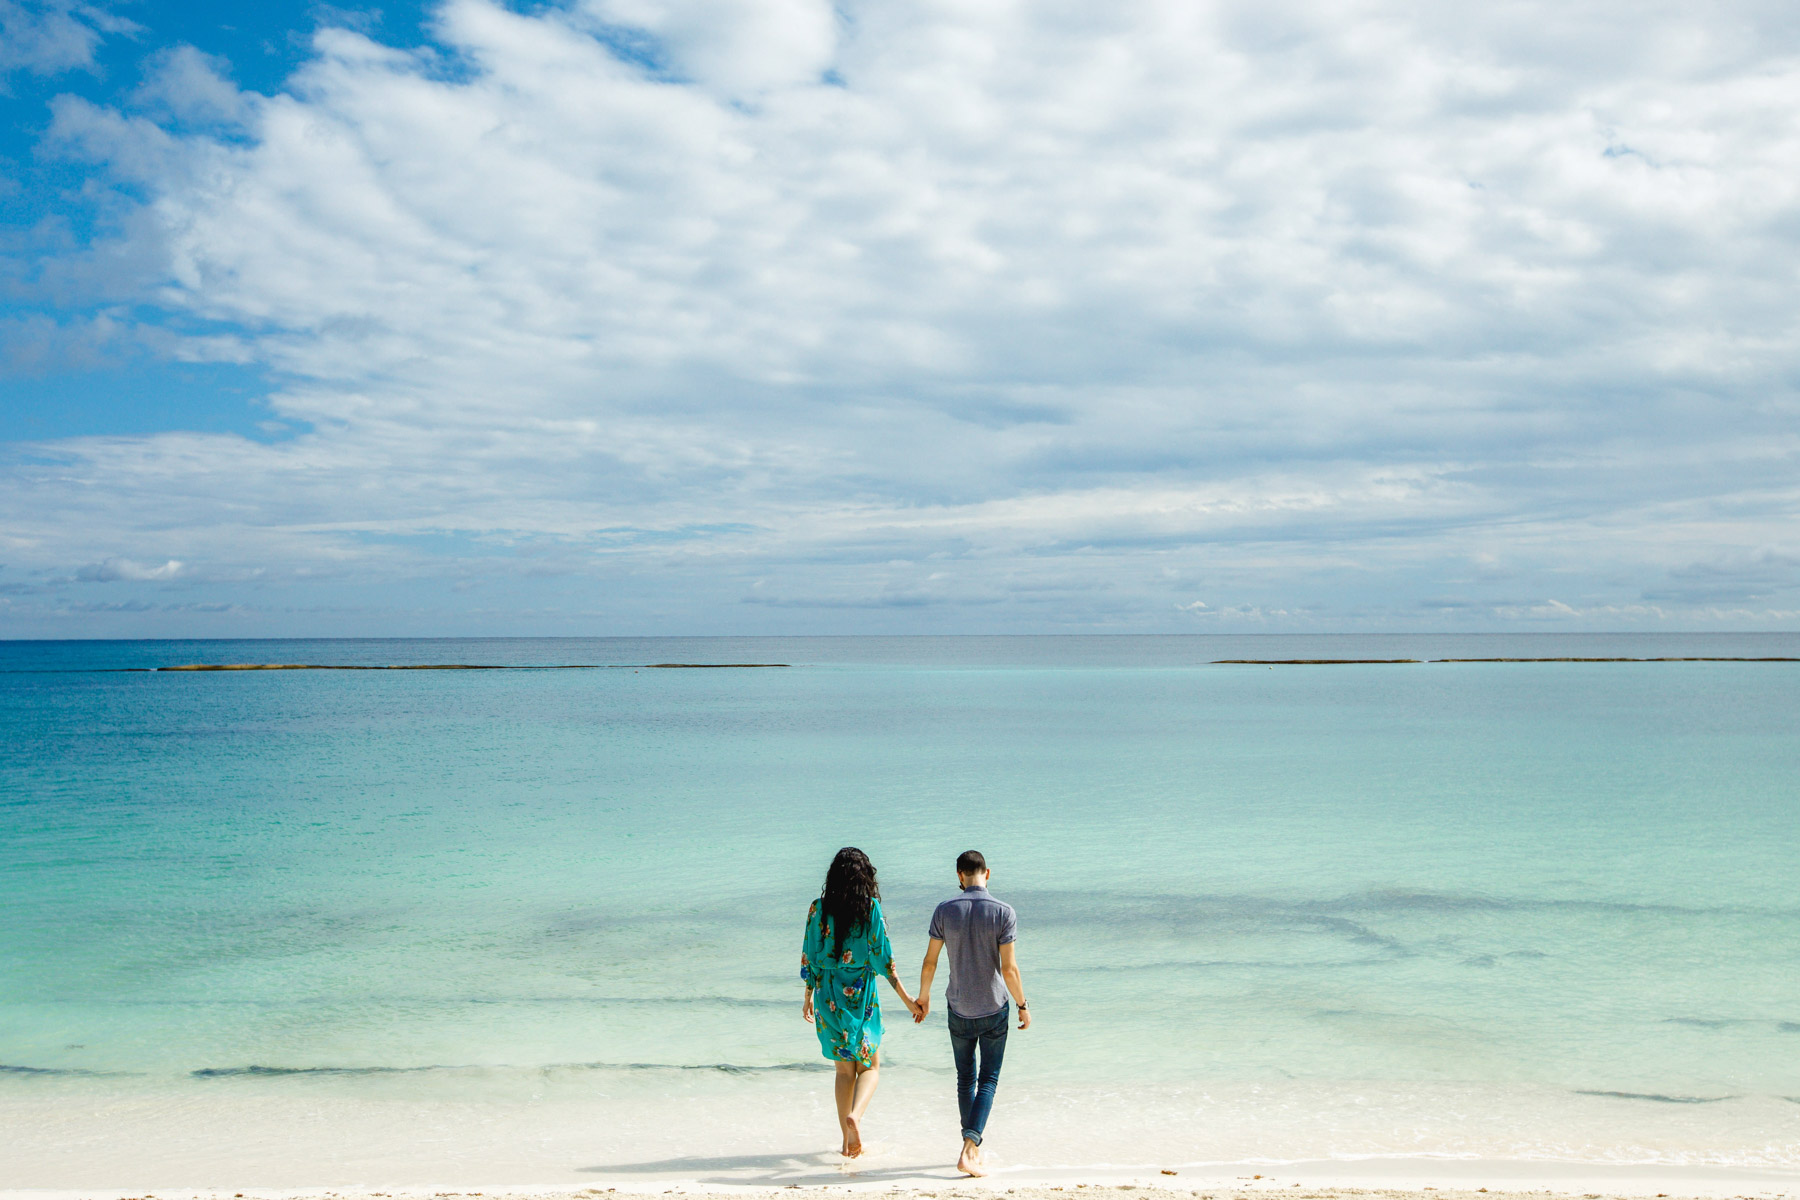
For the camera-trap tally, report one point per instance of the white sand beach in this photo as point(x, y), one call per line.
point(502, 1135)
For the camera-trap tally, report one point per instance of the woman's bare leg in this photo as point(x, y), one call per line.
point(864, 1091)
point(845, 1088)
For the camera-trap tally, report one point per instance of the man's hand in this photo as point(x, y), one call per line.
point(1024, 1018)
point(806, 1008)
point(921, 1006)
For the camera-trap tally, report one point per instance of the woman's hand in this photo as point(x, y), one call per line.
point(806, 1008)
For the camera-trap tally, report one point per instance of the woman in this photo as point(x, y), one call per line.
point(845, 952)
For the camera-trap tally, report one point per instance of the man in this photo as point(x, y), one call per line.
point(981, 933)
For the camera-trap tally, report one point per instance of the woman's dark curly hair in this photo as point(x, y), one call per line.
point(850, 892)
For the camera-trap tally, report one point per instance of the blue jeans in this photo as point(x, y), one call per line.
point(975, 1088)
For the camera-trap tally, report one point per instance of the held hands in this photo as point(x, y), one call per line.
point(915, 1007)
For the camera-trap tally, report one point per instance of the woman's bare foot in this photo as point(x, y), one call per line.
point(852, 1136)
point(969, 1162)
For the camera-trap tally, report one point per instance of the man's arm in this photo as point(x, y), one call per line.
point(1009, 971)
point(927, 970)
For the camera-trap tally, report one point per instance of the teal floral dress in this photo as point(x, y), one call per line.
point(846, 1011)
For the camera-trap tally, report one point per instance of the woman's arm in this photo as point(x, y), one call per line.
point(893, 978)
point(811, 947)
point(881, 952)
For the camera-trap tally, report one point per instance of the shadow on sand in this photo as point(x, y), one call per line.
point(777, 1170)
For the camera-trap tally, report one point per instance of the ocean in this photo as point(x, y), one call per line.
point(533, 926)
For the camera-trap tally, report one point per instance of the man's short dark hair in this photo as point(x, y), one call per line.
point(970, 862)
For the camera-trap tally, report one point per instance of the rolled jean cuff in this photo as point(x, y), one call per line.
point(969, 1135)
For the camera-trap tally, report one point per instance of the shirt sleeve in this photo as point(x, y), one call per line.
point(937, 924)
point(811, 948)
point(881, 953)
point(1009, 927)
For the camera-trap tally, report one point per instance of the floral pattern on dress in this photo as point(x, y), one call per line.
point(847, 1011)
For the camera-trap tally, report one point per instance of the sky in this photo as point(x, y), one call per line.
point(598, 317)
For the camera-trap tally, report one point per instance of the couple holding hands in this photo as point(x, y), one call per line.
point(847, 951)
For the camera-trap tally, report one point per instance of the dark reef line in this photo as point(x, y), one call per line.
point(455, 667)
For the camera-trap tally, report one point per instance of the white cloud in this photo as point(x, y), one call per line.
point(116, 569)
point(733, 47)
point(1330, 308)
point(190, 86)
point(49, 36)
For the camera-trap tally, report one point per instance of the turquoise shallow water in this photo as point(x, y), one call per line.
point(1361, 887)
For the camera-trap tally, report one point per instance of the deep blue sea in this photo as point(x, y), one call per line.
point(534, 926)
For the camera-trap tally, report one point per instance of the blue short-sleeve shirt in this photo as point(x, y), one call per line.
point(973, 927)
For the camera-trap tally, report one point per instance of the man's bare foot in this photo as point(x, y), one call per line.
point(852, 1137)
point(969, 1162)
